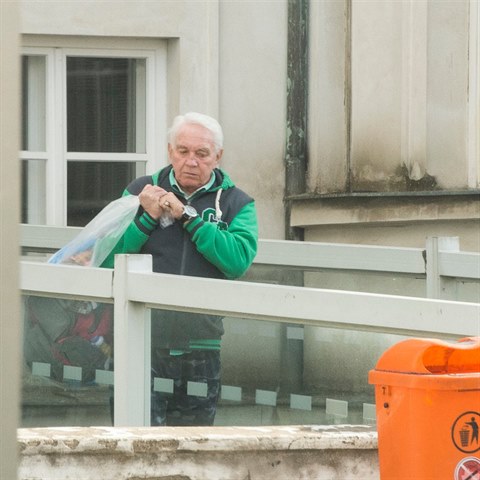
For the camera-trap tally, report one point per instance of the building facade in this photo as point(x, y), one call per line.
point(382, 133)
point(348, 121)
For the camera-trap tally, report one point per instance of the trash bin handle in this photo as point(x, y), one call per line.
point(432, 356)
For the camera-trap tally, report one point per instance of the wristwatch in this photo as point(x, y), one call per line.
point(189, 213)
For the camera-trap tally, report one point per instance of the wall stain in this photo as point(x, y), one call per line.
point(154, 446)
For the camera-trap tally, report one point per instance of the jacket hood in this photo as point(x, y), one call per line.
point(223, 178)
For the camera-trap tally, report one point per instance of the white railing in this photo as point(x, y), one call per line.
point(133, 289)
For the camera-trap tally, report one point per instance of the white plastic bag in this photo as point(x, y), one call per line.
point(96, 240)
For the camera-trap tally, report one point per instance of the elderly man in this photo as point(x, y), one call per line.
point(193, 221)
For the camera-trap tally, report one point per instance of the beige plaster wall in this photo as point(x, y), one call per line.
point(402, 234)
point(327, 99)
point(409, 93)
point(253, 76)
point(376, 91)
point(447, 93)
point(389, 98)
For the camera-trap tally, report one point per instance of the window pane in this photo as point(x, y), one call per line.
point(33, 192)
point(68, 371)
point(271, 373)
point(33, 103)
point(92, 185)
point(106, 104)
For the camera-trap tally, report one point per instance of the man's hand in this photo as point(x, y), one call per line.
point(150, 200)
point(171, 205)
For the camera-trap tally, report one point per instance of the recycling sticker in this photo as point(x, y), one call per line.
point(465, 433)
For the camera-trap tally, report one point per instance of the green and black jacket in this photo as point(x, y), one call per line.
point(207, 246)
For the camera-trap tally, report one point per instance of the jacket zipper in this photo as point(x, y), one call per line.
point(184, 249)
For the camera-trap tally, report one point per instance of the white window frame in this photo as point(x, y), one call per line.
point(56, 155)
point(45, 156)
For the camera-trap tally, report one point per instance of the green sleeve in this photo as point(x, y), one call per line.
point(232, 251)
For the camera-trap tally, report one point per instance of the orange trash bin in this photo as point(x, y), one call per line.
point(427, 395)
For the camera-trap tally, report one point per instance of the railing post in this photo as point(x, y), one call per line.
point(131, 346)
point(436, 287)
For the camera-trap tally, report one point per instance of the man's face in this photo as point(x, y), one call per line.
point(193, 157)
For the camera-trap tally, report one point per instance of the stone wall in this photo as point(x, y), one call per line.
point(197, 453)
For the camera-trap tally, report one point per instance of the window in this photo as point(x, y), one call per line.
point(90, 121)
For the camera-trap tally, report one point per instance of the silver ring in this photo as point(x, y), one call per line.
point(166, 204)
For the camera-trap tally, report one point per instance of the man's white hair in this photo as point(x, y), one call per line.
point(198, 119)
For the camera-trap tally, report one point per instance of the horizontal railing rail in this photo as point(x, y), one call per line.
point(46, 236)
point(460, 264)
point(310, 255)
point(277, 252)
point(313, 255)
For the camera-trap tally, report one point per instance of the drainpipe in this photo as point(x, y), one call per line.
point(291, 378)
point(297, 109)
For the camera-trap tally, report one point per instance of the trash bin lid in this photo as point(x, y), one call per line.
point(419, 358)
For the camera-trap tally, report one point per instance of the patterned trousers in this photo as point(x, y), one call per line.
point(196, 387)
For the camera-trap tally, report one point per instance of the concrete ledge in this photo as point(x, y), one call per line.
point(198, 453)
point(364, 209)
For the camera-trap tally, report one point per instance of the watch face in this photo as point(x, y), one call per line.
point(189, 211)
